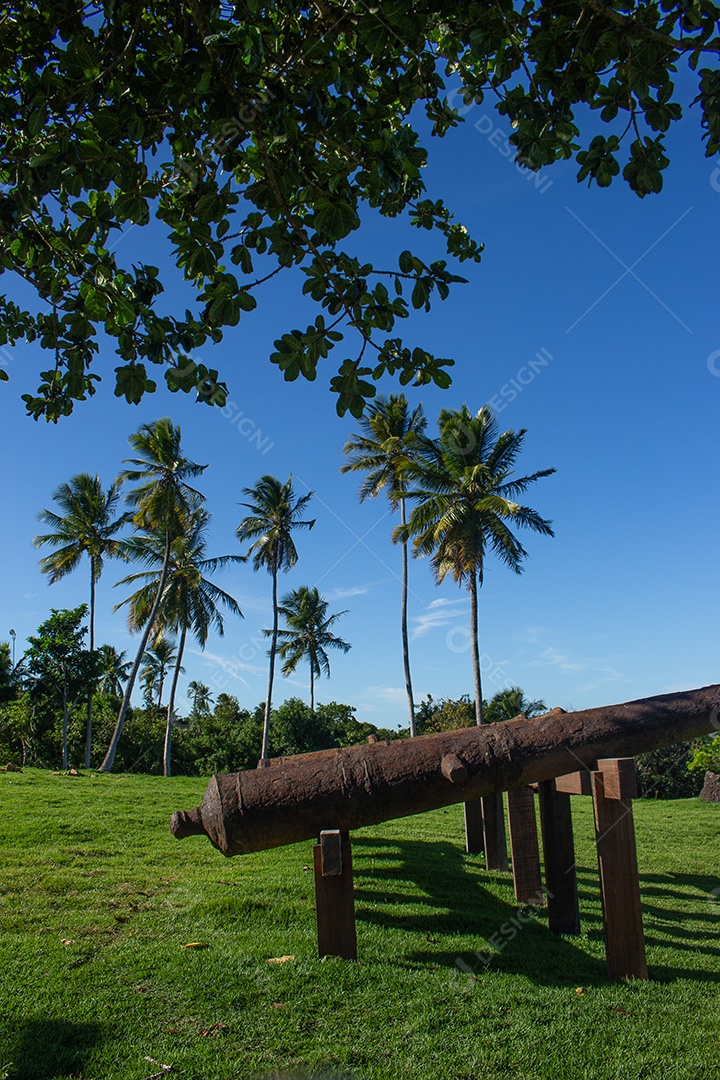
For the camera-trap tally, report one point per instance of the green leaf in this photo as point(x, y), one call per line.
point(132, 382)
point(333, 221)
point(246, 301)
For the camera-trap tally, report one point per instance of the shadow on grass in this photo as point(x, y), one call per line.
point(454, 895)
point(458, 900)
point(52, 1048)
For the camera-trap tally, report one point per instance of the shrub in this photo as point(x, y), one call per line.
point(663, 774)
point(706, 755)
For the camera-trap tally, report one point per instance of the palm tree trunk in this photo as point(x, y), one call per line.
point(312, 689)
point(264, 753)
point(475, 648)
point(406, 650)
point(474, 833)
point(171, 704)
point(65, 732)
point(109, 758)
point(91, 689)
point(493, 817)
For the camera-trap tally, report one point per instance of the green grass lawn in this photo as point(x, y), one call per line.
point(97, 902)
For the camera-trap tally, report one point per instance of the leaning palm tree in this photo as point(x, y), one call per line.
point(465, 492)
point(161, 502)
point(114, 670)
point(190, 603)
point(86, 526)
point(275, 512)
point(307, 635)
point(387, 445)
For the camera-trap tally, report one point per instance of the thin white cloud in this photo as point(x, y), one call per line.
point(600, 672)
point(296, 680)
point(552, 657)
point(342, 594)
point(391, 695)
point(605, 675)
point(229, 665)
point(438, 613)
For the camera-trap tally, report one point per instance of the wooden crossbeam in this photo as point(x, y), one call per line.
point(576, 783)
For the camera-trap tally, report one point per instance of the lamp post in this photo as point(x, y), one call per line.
point(13, 635)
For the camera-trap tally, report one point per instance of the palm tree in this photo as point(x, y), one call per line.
point(86, 526)
point(157, 659)
point(509, 703)
point(190, 601)
point(385, 448)
point(114, 670)
point(308, 635)
point(465, 493)
point(161, 502)
point(200, 696)
point(275, 512)
point(464, 487)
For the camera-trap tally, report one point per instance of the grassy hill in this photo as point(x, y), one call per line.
point(98, 901)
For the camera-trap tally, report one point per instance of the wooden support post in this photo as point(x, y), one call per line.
point(524, 846)
point(559, 855)
point(334, 898)
point(494, 832)
point(617, 862)
point(474, 827)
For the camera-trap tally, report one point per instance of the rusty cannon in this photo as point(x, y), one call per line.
point(325, 795)
point(295, 798)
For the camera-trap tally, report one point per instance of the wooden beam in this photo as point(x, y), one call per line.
point(619, 778)
point(331, 853)
point(334, 898)
point(559, 856)
point(619, 884)
point(524, 848)
point(576, 783)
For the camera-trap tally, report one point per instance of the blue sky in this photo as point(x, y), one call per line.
point(591, 321)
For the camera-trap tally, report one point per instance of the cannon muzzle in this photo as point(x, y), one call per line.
point(187, 823)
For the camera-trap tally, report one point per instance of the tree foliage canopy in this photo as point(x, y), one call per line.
point(255, 134)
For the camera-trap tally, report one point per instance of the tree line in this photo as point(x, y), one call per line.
point(462, 489)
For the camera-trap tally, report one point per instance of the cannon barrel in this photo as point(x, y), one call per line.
point(296, 798)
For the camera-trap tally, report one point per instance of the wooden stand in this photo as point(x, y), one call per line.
point(524, 846)
point(559, 853)
point(334, 897)
point(613, 791)
point(613, 788)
